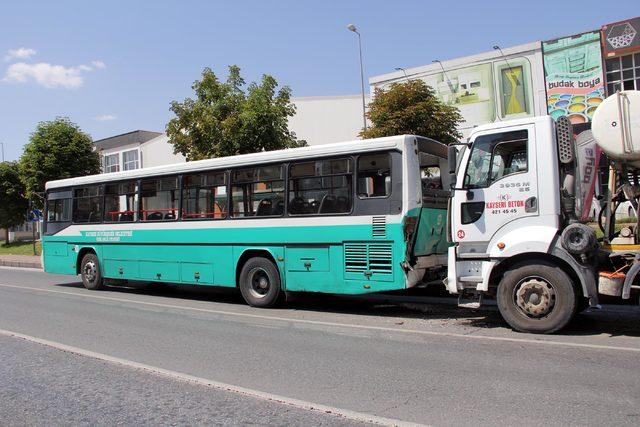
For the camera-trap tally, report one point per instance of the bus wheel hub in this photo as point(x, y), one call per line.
point(535, 297)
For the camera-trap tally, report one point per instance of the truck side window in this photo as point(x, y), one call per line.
point(496, 156)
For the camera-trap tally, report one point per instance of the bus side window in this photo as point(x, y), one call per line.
point(121, 202)
point(374, 175)
point(204, 196)
point(87, 204)
point(58, 209)
point(159, 199)
point(258, 191)
point(320, 187)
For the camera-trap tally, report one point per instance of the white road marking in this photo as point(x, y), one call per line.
point(301, 404)
point(337, 324)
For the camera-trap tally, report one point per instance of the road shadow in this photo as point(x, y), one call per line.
point(428, 305)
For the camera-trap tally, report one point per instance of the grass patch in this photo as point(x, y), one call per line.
point(19, 248)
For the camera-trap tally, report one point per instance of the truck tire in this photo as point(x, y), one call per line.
point(90, 272)
point(578, 239)
point(536, 297)
point(260, 283)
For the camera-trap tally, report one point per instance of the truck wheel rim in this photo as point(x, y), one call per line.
point(260, 283)
point(89, 271)
point(534, 297)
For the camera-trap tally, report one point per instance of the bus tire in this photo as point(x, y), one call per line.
point(260, 284)
point(90, 272)
point(538, 298)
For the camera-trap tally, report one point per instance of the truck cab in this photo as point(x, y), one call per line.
point(506, 217)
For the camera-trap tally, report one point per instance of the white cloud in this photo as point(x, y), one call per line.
point(104, 117)
point(20, 53)
point(49, 75)
point(99, 65)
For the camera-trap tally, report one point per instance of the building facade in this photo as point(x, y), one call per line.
point(135, 150)
point(500, 84)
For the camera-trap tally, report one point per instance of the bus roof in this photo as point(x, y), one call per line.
point(341, 148)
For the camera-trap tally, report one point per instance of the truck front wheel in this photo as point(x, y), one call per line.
point(538, 298)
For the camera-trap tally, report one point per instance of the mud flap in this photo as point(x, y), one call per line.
point(451, 282)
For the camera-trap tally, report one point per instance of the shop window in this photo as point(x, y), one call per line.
point(320, 187)
point(204, 196)
point(623, 73)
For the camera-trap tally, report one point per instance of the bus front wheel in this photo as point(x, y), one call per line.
point(90, 272)
point(260, 283)
point(538, 298)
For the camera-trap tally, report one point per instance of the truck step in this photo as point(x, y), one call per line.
point(471, 301)
point(472, 279)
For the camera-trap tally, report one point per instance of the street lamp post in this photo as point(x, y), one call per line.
point(2, 144)
point(353, 28)
point(403, 71)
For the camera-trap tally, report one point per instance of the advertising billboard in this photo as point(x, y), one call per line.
point(573, 76)
point(621, 37)
point(487, 91)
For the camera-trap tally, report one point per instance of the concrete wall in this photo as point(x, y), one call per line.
point(158, 151)
point(327, 119)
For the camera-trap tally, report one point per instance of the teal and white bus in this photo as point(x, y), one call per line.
point(345, 218)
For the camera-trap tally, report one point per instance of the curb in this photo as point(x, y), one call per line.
point(20, 264)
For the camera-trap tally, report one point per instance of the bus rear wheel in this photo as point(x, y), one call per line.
point(537, 298)
point(90, 272)
point(260, 283)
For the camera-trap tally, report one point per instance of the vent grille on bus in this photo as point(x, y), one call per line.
point(379, 227)
point(374, 258)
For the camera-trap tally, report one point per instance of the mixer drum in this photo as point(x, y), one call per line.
point(616, 127)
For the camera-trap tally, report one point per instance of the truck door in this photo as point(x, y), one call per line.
point(496, 186)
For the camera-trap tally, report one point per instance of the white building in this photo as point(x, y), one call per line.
point(327, 119)
point(487, 87)
point(134, 150)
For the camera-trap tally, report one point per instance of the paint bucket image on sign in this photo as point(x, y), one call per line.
point(573, 75)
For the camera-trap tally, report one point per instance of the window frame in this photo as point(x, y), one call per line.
point(137, 195)
point(178, 216)
point(227, 174)
point(73, 204)
point(116, 164)
point(136, 161)
point(351, 159)
point(490, 182)
point(285, 169)
point(56, 201)
point(357, 172)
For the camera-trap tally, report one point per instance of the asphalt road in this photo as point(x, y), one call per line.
point(200, 356)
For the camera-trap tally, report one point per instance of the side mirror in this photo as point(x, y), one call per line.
point(452, 157)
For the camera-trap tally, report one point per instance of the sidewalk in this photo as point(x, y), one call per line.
point(26, 261)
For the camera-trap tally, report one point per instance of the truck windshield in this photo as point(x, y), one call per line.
point(495, 156)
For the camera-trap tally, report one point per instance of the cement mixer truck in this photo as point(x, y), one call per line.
point(520, 201)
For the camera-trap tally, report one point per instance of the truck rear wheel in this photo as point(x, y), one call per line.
point(538, 298)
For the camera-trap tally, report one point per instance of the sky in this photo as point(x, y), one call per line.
point(115, 66)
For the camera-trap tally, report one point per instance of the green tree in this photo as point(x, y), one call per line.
point(412, 108)
point(57, 149)
point(224, 119)
point(14, 204)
